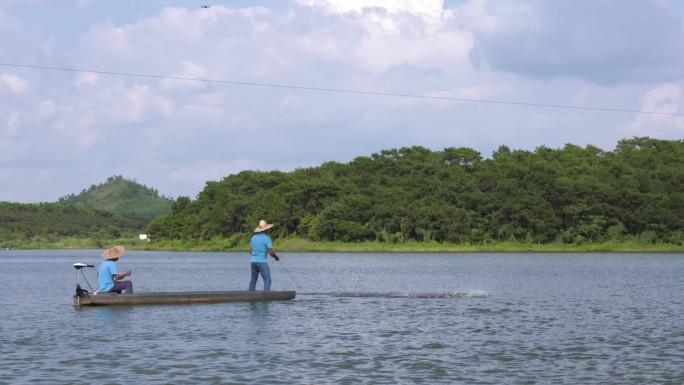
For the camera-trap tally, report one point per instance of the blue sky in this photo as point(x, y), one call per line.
point(63, 131)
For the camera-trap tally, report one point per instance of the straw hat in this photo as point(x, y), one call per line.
point(114, 253)
point(263, 226)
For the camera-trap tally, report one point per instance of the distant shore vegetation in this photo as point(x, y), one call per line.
point(303, 246)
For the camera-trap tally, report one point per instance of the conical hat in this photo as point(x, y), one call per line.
point(114, 253)
point(263, 226)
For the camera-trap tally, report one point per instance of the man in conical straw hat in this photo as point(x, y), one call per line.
point(109, 278)
point(260, 247)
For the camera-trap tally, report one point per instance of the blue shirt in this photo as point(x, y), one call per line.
point(106, 273)
point(260, 243)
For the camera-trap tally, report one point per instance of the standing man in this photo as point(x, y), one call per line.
point(108, 277)
point(260, 247)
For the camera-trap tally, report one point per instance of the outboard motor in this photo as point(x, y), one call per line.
point(79, 291)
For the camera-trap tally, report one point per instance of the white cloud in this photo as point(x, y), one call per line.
point(7, 22)
point(46, 109)
point(204, 113)
point(667, 101)
point(381, 35)
point(109, 39)
point(15, 83)
point(470, 93)
point(12, 126)
point(136, 104)
point(85, 79)
point(190, 71)
point(431, 8)
point(83, 3)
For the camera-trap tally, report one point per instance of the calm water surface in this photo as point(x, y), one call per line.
point(357, 319)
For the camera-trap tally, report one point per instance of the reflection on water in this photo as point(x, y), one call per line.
point(106, 315)
point(259, 314)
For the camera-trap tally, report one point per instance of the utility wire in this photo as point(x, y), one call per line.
point(343, 90)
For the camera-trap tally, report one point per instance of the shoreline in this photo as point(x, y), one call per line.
point(304, 246)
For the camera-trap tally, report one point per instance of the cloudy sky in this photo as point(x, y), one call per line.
point(173, 94)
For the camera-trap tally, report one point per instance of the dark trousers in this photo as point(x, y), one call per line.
point(125, 286)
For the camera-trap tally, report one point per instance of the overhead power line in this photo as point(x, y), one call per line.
point(321, 89)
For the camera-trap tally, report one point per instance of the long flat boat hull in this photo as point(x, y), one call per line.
point(181, 297)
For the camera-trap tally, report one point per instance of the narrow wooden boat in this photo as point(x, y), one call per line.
point(180, 297)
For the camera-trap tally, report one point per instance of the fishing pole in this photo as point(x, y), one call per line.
point(291, 276)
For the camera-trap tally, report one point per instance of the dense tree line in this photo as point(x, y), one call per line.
point(570, 195)
point(37, 222)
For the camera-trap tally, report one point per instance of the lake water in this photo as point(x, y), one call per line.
point(433, 318)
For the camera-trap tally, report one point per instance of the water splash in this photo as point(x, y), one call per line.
point(461, 294)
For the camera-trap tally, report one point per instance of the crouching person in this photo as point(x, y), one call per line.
point(109, 278)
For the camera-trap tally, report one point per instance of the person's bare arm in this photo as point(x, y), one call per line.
point(118, 277)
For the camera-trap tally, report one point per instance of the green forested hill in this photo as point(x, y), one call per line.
point(117, 208)
point(21, 223)
point(571, 195)
point(122, 196)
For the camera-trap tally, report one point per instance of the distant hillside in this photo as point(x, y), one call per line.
point(21, 223)
point(122, 196)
